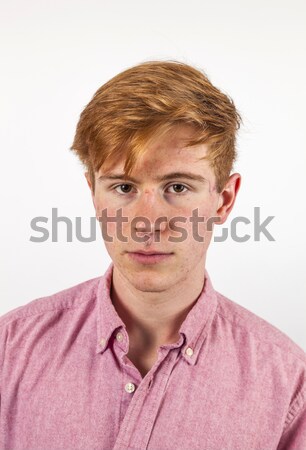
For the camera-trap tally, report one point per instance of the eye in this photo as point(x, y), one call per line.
point(125, 188)
point(178, 188)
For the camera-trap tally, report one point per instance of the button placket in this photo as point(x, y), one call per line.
point(146, 398)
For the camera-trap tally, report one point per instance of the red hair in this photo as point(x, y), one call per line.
point(149, 99)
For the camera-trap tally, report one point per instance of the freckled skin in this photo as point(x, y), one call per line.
point(165, 155)
point(157, 296)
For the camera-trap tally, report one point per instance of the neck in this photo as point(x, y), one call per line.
point(154, 318)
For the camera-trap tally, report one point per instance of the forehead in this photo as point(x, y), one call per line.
point(169, 152)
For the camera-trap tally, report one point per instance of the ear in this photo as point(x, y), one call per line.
point(227, 197)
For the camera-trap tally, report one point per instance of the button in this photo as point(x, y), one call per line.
point(130, 387)
point(102, 342)
point(119, 337)
point(189, 351)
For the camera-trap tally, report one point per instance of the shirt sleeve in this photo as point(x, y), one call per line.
point(294, 435)
point(3, 338)
point(1, 359)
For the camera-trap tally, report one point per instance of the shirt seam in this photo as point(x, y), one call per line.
point(258, 336)
point(37, 313)
point(2, 362)
point(295, 409)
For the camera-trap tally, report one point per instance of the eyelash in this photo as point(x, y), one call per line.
point(127, 184)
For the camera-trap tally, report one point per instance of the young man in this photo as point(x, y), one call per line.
point(149, 355)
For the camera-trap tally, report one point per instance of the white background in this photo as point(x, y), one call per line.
point(55, 55)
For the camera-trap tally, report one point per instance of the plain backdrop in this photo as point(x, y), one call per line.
point(56, 54)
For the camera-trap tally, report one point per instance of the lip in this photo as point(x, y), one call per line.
point(152, 252)
point(149, 257)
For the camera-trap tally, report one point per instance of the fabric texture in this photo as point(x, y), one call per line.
point(231, 382)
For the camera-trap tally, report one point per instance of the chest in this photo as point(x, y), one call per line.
point(104, 403)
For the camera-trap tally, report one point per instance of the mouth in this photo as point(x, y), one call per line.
point(149, 257)
point(152, 252)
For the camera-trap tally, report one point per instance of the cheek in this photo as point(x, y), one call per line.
point(107, 215)
point(116, 222)
point(200, 227)
point(193, 228)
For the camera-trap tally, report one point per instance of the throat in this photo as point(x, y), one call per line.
point(143, 349)
point(143, 361)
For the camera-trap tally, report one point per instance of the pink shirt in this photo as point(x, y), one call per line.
point(231, 382)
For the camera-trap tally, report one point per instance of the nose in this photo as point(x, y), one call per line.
point(149, 213)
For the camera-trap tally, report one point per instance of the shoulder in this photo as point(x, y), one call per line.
point(67, 299)
point(264, 334)
point(266, 355)
point(41, 326)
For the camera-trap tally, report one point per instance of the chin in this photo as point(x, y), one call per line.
point(147, 283)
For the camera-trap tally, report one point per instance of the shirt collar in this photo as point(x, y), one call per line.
point(198, 321)
point(108, 320)
point(193, 330)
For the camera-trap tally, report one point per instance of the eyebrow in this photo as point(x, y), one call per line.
point(166, 177)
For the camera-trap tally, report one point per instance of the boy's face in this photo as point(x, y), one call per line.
point(185, 239)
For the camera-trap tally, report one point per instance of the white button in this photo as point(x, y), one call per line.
point(102, 342)
point(189, 351)
point(119, 336)
point(130, 388)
